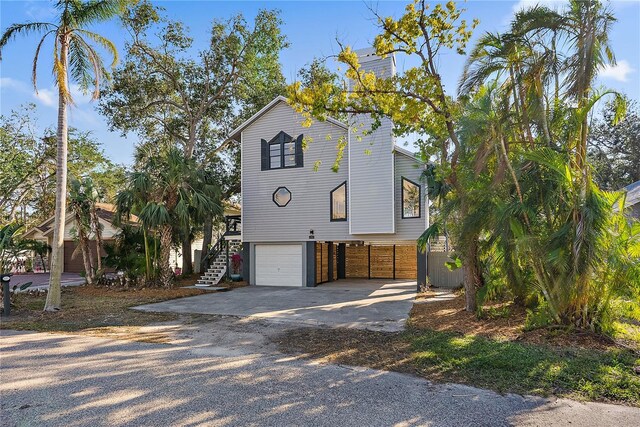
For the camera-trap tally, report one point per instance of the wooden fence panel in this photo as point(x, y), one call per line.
point(439, 275)
point(381, 262)
point(335, 261)
point(322, 262)
point(357, 262)
point(406, 262)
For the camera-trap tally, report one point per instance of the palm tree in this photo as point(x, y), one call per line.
point(170, 190)
point(584, 26)
point(93, 195)
point(80, 206)
point(75, 59)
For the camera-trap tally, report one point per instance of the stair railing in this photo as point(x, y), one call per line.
point(214, 251)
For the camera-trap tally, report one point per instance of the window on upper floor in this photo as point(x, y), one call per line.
point(282, 152)
point(411, 199)
point(338, 200)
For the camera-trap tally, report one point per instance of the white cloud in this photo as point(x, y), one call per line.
point(84, 116)
point(79, 97)
point(9, 83)
point(37, 12)
point(49, 96)
point(526, 4)
point(619, 72)
point(46, 96)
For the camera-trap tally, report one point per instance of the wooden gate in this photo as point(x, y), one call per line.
point(322, 262)
point(439, 275)
point(381, 262)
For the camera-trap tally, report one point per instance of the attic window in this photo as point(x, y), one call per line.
point(411, 198)
point(282, 152)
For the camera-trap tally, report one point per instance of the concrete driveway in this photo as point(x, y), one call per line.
point(380, 305)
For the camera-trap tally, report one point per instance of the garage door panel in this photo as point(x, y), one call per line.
point(278, 265)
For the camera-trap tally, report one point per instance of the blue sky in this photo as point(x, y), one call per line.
point(311, 27)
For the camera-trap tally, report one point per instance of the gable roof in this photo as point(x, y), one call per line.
point(400, 150)
point(235, 134)
point(106, 212)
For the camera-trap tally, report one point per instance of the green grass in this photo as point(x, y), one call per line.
point(523, 368)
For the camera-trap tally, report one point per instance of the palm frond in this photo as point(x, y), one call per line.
point(25, 29)
point(34, 71)
point(95, 11)
point(79, 64)
point(104, 42)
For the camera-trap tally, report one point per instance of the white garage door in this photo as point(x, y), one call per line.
point(278, 265)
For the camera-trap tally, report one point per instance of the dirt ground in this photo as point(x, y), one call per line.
point(91, 309)
point(500, 322)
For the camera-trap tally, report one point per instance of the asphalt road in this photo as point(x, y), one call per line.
point(58, 380)
point(41, 280)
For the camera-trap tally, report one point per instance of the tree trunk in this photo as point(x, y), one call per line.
point(472, 276)
point(97, 231)
point(147, 255)
point(166, 275)
point(91, 271)
point(206, 241)
point(83, 242)
point(187, 261)
point(57, 257)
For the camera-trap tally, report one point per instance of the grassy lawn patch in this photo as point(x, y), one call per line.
point(507, 366)
point(91, 309)
point(503, 366)
point(444, 343)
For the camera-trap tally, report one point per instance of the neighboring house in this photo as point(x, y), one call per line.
point(303, 224)
point(73, 262)
point(632, 202)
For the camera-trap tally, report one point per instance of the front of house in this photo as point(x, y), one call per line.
point(71, 256)
point(304, 224)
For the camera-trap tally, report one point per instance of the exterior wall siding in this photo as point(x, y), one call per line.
point(371, 168)
point(262, 219)
point(409, 228)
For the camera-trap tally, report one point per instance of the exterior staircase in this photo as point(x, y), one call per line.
point(218, 265)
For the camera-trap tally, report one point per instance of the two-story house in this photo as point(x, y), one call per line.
point(304, 224)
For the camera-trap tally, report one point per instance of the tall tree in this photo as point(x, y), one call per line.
point(75, 59)
point(167, 189)
point(161, 92)
point(414, 100)
point(615, 149)
point(28, 167)
point(80, 207)
point(584, 26)
point(549, 229)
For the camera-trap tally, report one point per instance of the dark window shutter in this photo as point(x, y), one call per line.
point(299, 156)
point(265, 155)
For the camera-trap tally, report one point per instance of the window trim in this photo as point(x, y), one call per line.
point(346, 204)
point(273, 197)
point(402, 198)
point(280, 140)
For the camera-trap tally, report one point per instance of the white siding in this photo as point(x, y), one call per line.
point(109, 231)
point(263, 220)
point(410, 228)
point(371, 167)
